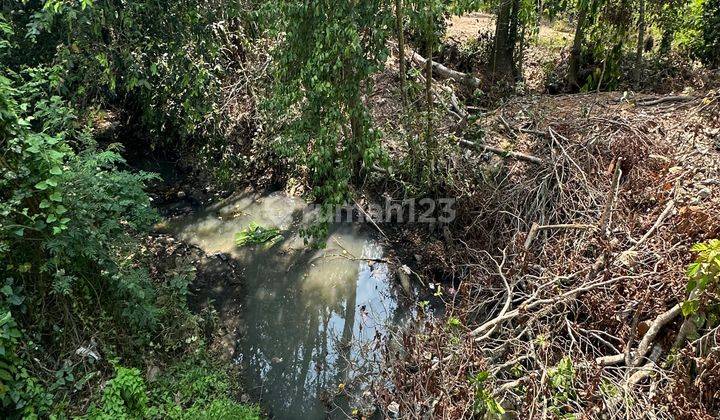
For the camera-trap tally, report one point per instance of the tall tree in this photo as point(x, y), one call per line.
point(400, 33)
point(575, 53)
point(503, 63)
point(640, 42)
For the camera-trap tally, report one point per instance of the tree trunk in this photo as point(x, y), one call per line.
point(574, 63)
point(666, 41)
point(401, 46)
point(640, 44)
point(538, 20)
point(428, 80)
point(502, 60)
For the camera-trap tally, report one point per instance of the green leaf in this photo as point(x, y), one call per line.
point(689, 307)
point(56, 170)
point(51, 218)
point(693, 269)
point(482, 376)
point(700, 247)
point(493, 406)
point(42, 185)
point(56, 196)
point(6, 376)
point(44, 204)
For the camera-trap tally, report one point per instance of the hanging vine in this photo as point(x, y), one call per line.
point(324, 61)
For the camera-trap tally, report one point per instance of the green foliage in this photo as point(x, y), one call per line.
point(9, 335)
point(427, 21)
point(70, 222)
point(255, 234)
point(223, 409)
point(21, 394)
point(703, 274)
point(562, 380)
point(684, 25)
point(124, 396)
point(710, 51)
point(692, 27)
point(484, 402)
point(454, 323)
point(327, 53)
point(69, 215)
point(166, 59)
point(562, 376)
point(191, 389)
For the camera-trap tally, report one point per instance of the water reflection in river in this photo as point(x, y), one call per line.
point(310, 317)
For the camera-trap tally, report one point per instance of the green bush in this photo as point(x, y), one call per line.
point(68, 215)
point(711, 33)
point(161, 58)
point(192, 389)
point(124, 396)
point(703, 274)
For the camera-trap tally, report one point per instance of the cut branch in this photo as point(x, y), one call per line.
point(607, 212)
point(502, 152)
point(448, 73)
point(652, 332)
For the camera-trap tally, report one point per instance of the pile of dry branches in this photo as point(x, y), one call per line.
point(570, 270)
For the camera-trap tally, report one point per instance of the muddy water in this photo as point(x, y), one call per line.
point(310, 319)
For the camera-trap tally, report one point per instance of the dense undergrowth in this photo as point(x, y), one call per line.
point(80, 312)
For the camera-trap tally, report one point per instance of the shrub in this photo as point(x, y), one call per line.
point(711, 32)
point(191, 389)
point(124, 396)
point(703, 274)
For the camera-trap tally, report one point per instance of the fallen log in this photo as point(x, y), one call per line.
point(502, 152)
point(448, 73)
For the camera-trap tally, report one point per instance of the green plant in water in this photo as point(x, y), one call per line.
point(256, 234)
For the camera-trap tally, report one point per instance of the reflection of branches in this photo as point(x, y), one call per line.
point(297, 342)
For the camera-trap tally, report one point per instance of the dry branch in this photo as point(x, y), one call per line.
point(448, 73)
point(502, 152)
point(676, 98)
point(668, 208)
point(607, 211)
point(652, 332)
point(536, 228)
